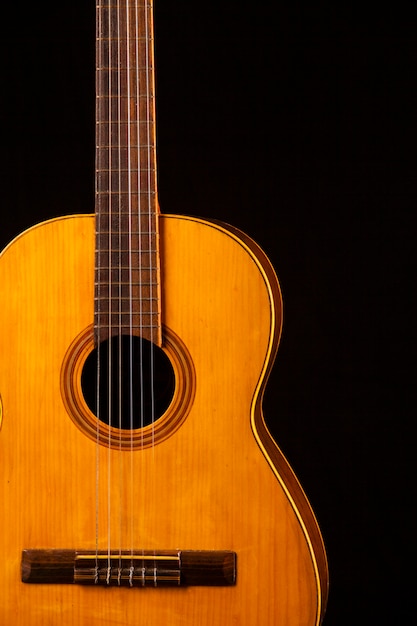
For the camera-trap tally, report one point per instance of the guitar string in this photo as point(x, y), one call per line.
point(131, 405)
point(108, 334)
point(140, 248)
point(100, 325)
point(119, 259)
point(139, 302)
point(151, 214)
point(152, 253)
point(99, 63)
point(110, 347)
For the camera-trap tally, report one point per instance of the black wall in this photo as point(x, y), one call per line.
point(296, 124)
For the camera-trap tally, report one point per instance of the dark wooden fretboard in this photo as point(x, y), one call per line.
point(127, 268)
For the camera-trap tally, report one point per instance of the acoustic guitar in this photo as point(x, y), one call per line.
point(139, 483)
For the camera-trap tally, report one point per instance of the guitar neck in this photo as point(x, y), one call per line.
point(127, 257)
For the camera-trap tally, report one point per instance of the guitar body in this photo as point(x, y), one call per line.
point(214, 480)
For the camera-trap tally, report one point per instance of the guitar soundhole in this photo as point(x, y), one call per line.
point(132, 380)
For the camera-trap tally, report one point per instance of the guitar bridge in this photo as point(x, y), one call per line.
point(177, 568)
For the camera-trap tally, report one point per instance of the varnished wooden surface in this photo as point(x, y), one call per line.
point(207, 487)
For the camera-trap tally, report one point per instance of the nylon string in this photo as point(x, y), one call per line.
point(144, 252)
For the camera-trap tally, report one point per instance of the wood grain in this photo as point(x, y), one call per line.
point(218, 483)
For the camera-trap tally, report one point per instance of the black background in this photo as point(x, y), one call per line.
point(296, 124)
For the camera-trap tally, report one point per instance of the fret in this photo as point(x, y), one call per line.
point(119, 124)
point(138, 81)
point(128, 272)
point(127, 298)
point(125, 54)
point(113, 180)
point(125, 108)
point(133, 205)
point(126, 269)
point(111, 287)
point(130, 242)
point(134, 268)
point(138, 294)
point(124, 88)
point(120, 154)
point(112, 283)
point(128, 122)
point(115, 327)
point(126, 193)
point(123, 326)
point(125, 222)
point(124, 3)
point(136, 218)
point(113, 261)
point(131, 14)
point(113, 158)
point(116, 68)
point(127, 38)
point(123, 157)
point(135, 250)
point(131, 182)
point(126, 283)
point(145, 147)
point(130, 264)
point(124, 81)
point(131, 131)
point(121, 256)
point(119, 228)
point(124, 97)
point(128, 306)
point(125, 225)
point(109, 177)
point(132, 255)
point(130, 169)
point(126, 316)
point(115, 6)
point(123, 151)
point(127, 241)
point(133, 291)
point(127, 111)
point(126, 212)
point(142, 9)
point(144, 216)
point(114, 276)
point(125, 233)
point(127, 251)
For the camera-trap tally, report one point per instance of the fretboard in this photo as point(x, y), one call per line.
point(127, 274)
